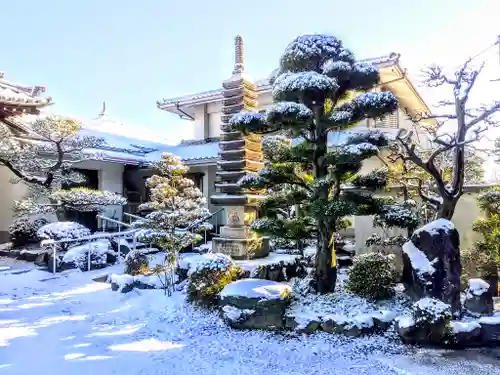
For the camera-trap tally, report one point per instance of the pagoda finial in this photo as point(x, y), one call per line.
point(103, 110)
point(239, 66)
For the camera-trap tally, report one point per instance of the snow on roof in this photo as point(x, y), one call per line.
point(21, 95)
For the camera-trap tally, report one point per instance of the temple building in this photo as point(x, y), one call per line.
point(125, 160)
point(206, 111)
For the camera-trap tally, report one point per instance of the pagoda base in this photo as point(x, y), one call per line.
point(242, 248)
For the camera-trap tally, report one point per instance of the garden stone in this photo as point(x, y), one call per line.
point(466, 334)
point(255, 304)
point(490, 329)
point(432, 263)
point(479, 298)
point(333, 324)
point(383, 320)
point(308, 328)
point(14, 253)
point(41, 259)
point(29, 255)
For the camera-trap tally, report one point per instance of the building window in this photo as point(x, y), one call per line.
point(390, 121)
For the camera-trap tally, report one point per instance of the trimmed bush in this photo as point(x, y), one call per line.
point(136, 263)
point(63, 230)
point(23, 230)
point(372, 276)
point(210, 276)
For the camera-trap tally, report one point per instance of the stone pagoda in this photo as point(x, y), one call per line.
point(239, 155)
point(17, 99)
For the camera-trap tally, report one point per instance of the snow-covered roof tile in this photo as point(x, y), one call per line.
point(21, 95)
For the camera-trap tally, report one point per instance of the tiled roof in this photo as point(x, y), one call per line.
point(262, 85)
point(21, 95)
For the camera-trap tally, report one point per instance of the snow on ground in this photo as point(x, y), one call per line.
point(68, 324)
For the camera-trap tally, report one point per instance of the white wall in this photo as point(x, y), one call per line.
point(8, 193)
point(110, 177)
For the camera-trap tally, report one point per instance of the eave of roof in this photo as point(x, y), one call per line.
point(263, 85)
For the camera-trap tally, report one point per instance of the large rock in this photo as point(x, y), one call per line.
point(432, 263)
point(429, 323)
point(490, 330)
point(479, 298)
point(126, 283)
point(466, 334)
point(255, 304)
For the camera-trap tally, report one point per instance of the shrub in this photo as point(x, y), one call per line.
point(210, 276)
point(136, 263)
point(63, 230)
point(372, 276)
point(23, 230)
point(87, 200)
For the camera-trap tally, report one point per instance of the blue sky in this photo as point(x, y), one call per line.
point(132, 53)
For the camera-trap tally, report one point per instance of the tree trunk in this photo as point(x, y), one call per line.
point(447, 208)
point(326, 272)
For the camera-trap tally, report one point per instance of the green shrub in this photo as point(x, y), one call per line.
point(136, 263)
point(210, 276)
point(23, 230)
point(372, 276)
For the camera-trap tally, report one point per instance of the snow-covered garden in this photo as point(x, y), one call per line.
point(311, 305)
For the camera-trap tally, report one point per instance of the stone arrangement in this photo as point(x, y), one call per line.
point(431, 261)
point(238, 156)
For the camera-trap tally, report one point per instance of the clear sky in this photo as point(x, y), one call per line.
point(132, 53)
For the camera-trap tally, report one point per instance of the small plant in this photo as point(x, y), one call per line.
point(210, 276)
point(23, 230)
point(136, 263)
point(63, 230)
point(372, 276)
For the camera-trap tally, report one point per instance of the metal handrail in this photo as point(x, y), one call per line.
point(127, 234)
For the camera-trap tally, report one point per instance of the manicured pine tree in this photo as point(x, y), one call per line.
point(177, 205)
point(320, 88)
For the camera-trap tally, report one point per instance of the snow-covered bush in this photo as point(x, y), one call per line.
point(23, 230)
point(86, 200)
point(209, 276)
point(78, 256)
point(136, 263)
point(431, 311)
point(63, 230)
point(372, 276)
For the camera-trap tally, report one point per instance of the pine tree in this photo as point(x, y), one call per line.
point(42, 154)
point(177, 206)
point(318, 90)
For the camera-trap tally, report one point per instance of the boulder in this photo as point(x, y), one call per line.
point(42, 259)
point(29, 255)
point(479, 298)
point(14, 253)
point(255, 304)
point(280, 270)
point(431, 263)
point(333, 324)
point(126, 283)
point(466, 334)
point(302, 324)
point(383, 320)
point(490, 330)
point(429, 323)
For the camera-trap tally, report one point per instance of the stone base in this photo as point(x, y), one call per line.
point(241, 248)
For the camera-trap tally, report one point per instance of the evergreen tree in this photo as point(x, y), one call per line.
point(318, 90)
point(177, 206)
